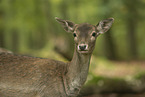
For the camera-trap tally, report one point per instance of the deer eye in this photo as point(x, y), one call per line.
point(74, 34)
point(94, 34)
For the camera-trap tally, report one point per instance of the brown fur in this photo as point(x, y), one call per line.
point(24, 76)
point(30, 76)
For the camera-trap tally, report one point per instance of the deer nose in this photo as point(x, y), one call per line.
point(82, 47)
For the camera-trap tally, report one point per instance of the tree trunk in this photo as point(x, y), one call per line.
point(1, 38)
point(131, 19)
point(110, 50)
point(132, 39)
point(110, 47)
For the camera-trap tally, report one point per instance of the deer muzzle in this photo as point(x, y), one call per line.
point(83, 48)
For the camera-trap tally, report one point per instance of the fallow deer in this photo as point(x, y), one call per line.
point(24, 76)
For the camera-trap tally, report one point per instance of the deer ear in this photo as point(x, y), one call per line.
point(67, 25)
point(104, 25)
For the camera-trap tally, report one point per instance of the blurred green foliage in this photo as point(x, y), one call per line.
point(28, 26)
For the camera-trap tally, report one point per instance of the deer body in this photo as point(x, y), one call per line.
point(23, 76)
point(40, 79)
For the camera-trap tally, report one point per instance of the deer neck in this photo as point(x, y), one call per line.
point(77, 71)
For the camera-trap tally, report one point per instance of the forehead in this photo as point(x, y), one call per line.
point(84, 28)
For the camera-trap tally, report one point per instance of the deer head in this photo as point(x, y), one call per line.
point(85, 34)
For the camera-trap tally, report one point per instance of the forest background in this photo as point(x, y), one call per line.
point(29, 27)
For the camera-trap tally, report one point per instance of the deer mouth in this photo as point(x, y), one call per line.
point(83, 52)
point(83, 48)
